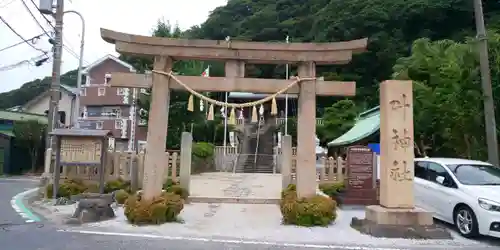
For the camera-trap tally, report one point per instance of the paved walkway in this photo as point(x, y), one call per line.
point(238, 185)
point(261, 224)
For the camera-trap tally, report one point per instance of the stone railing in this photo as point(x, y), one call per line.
point(281, 121)
point(119, 164)
point(225, 163)
point(329, 169)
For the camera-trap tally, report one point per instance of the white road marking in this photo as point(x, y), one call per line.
point(243, 242)
point(19, 179)
point(20, 209)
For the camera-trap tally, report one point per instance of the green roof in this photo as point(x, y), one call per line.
point(366, 125)
point(22, 116)
point(7, 133)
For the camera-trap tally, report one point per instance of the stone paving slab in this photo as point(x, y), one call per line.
point(236, 185)
point(262, 222)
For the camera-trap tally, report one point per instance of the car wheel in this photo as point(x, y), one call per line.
point(466, 222)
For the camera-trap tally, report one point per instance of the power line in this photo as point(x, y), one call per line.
point(36, 61)
point(66, 47)
point(22, 38)
point(6, 4)
point(34, 18)
point(32, 40)
point(44, 17)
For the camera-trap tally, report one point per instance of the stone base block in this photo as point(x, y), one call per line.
point(399, 223)
point(391, 216)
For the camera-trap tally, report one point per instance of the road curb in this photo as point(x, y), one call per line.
point(18, 205)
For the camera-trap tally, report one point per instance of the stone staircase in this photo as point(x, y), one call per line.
point(261, 161)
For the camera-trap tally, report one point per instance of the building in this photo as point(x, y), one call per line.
point(14, 159)
point(40, 105)
point(111, 108)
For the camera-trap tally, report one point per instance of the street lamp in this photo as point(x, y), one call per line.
point(76, 111)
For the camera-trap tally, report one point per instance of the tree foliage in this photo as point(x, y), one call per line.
point(29, 135)
point(441, 61)
point(448, 113)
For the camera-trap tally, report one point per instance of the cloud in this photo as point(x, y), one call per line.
point(135, 17)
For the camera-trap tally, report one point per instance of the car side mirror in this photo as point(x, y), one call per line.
point(440, 180)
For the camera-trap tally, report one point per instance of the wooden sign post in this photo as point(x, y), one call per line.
point(80, 147)
point(235, 54)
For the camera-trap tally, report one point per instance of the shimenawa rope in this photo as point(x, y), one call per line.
point(213, 102)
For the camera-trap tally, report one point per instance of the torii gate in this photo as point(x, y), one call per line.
point(235, 54)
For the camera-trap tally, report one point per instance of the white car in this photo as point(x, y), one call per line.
point(462, 192)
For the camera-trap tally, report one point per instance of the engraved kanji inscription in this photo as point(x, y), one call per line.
point(400, 104)
point(401, 140)
point(400, 172)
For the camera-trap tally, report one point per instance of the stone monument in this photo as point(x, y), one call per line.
point(397, 216)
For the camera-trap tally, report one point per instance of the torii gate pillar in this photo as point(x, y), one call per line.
point(306, 132)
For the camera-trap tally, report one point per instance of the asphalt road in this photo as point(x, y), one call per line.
point(15, 233)
point(9, 187)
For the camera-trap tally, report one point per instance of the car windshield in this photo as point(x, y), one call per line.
point(475, 174)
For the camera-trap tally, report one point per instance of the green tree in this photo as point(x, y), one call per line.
point(447, 97)
point(180, 119)
point(29, 135)
point(337, 120)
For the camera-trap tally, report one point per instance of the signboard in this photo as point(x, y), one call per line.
point(359, 168)
point(79, 151)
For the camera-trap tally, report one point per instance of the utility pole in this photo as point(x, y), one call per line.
point(489, 106)
point(56, 72)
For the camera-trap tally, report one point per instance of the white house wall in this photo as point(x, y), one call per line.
point(65, 104)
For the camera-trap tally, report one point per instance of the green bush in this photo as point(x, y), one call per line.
point(121, 196)
point(67, 188)
point(203, 158)
point(114, 185)
point(178, 190)
point(334, 190)
point(203, 150)
point(164, 208)
point(313, 211)
point(169, 183)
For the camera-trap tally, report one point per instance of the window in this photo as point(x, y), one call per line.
point(120, 91)
point(469, 174)
point(435, 170)
point(117, 112)
point(83, 91)
point(107, 78)
point(118, 124)
point(62, 117)
point(101, 91)
point(421, 169)
point(98, 125)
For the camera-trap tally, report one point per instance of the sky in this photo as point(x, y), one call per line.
point(135, 17)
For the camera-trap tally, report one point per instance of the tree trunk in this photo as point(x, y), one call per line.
point(467, 146)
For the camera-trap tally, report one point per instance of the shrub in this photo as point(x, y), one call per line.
point(178, 190)
point(334, 190)
point(114, 185)
point(203, 154)
point(312, 211)
point(169, 183)
point(164, 208)
point(203, 149)
point(121, 196)
point(67, 188)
